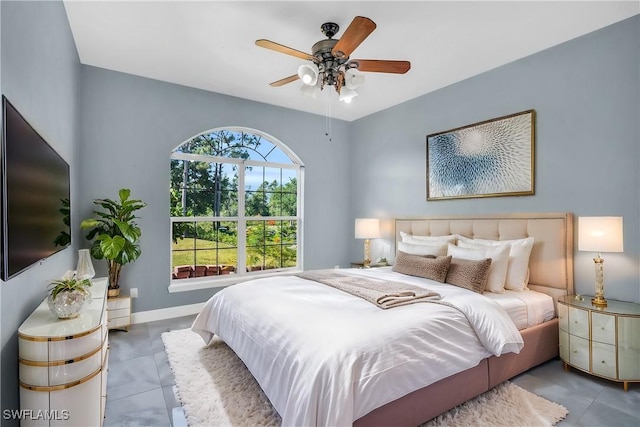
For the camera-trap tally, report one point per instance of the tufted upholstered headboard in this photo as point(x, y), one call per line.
point(551, 261)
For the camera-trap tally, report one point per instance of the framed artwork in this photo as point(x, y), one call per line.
point(486, 159)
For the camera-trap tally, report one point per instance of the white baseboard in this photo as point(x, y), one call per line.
point(166, 313)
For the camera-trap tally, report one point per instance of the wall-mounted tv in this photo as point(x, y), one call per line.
point(35, 196)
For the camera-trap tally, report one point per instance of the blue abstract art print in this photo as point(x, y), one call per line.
point(486, 159)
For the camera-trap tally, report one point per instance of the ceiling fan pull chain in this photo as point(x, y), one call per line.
point(327, 123)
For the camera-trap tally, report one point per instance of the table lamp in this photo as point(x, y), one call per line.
point(367, 228)
point(600, 234)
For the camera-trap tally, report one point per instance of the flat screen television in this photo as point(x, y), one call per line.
point(35, 196)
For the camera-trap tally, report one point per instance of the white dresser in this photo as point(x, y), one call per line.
point(603, 341)
point(63, 365)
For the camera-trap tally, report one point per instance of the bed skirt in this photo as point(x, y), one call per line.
point(540, 345)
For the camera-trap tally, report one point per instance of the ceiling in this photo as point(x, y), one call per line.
point(210, 44)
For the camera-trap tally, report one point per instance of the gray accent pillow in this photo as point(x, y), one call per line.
point(469, 274)
point(434, 268)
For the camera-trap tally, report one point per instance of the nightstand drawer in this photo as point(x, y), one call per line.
point(120, 322)
point(117, 303)
point(563, 317)
point(604, 359)
point(579, 322)
point(579, 352)
point(603, 328)
point(629, 348)
point(564, 345)
point(114, 314)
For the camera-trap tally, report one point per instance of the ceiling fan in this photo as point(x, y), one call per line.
point(330, 62)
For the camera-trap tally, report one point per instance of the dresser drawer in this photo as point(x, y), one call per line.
point(603, 359)
point(603, 328)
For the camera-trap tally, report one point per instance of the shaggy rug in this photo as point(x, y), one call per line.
point(216, 389)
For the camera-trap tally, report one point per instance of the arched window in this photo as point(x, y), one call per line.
point(236, 199)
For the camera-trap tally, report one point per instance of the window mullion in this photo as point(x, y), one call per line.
point(242, 222)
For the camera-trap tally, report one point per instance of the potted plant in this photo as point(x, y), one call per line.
point(69, 297)
point(115, 234)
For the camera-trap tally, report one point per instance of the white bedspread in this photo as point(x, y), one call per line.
point(526, 308)
point(324, 357)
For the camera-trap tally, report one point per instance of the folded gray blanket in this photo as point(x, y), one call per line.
point(382, 293)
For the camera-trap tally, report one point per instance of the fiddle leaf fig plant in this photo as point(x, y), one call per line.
point(115, 233)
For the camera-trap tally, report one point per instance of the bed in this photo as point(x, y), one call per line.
point(352, 381)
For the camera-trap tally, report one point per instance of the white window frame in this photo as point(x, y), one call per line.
point(196, 283)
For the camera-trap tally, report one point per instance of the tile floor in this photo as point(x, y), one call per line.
point(140, 386)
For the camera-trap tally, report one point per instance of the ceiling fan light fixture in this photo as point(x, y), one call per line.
point(347, 95)
point(353, 79)
point(308, 73)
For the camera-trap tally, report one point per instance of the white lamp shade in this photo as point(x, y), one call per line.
point(600, 234)
point(308, 73)
point(353, 79)
point(367, 228)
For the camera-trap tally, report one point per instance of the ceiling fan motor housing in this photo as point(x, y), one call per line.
point(329, 65)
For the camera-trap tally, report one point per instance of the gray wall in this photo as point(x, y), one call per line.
point(117, 130)
point(129, 125)
point(40, 76)
point(587, 99)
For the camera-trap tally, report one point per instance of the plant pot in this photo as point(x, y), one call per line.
point(69, 304)
point(112, 293)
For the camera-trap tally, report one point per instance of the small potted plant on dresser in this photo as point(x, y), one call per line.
point(115, 234)
point(69, 297)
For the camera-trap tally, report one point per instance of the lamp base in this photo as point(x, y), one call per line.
point(599, 301)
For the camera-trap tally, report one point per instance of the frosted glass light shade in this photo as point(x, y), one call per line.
point(309, 91)
point(308, 73)
point(85, 269)
point(353, 79)
point(600, 234)
point(367, 228)
point(347, 94)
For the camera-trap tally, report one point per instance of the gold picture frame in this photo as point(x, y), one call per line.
point(491, 158)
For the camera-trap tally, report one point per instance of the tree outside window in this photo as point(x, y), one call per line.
point(235, 198)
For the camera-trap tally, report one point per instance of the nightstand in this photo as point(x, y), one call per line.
point(602, 341)
point(361, 265)
point(119, 312)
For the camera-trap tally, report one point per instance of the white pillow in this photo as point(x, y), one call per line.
point(518, 271)
point(422, 250)
point(499, 261)
point(423, 240)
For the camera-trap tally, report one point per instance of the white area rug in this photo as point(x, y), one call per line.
point(216, 389)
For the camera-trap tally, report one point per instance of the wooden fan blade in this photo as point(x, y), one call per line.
point(358, 30)
point(268, 44)
point(381, 66)
point(284, 81)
